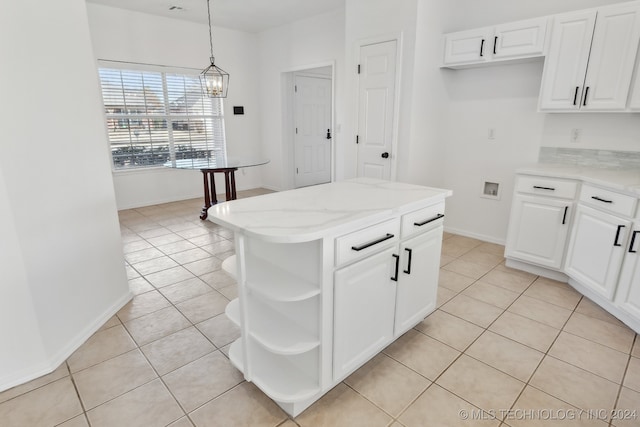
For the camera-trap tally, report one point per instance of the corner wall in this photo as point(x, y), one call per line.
point(62, 263)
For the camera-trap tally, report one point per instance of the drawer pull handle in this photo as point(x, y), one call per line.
point(373, 242)
point(615, 243)
point(601, 200)
point(435, 218)
point(537, 187)
point(408, 270)
point(395, 277)
point(564, 217)
point(633, 240)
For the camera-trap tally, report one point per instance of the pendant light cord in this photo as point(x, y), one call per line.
point(210, 34)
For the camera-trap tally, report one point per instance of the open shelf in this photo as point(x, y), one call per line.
point(233, 311)
point(229, 266)
point(270, 282)
point(278, 333)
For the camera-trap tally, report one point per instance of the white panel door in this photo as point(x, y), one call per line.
point(468, 47)
point(418, 279)
point(628, 293)
point(634, 97)
point(613, 50)
point(596, 250)
point(376, 98)
point(313, 121)
point(519, 39)
point(566, 63)
point(538, 230)
point(364, 305)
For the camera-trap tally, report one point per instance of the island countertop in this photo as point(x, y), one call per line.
point(318, 211)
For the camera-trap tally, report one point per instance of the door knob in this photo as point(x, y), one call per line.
point(385, 155)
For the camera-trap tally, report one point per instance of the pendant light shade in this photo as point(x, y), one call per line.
point(214, 80)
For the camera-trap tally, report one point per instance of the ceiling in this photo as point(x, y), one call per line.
point(245, 15)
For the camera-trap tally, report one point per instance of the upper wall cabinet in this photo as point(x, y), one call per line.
point(515, 40)
point(590, 60)
point(634, 97)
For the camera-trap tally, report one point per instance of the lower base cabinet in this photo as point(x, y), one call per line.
point(628, 293)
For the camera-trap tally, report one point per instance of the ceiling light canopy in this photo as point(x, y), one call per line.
point(214, 80)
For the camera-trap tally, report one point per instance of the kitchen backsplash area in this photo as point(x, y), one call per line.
point(589, 157)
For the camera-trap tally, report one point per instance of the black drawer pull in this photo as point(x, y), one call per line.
point(537, 187)
point(435, 218)
point(601, 200)
point(615, 243)
point(373, 242)
point(564, 217)
point(633, 240)
point(395, 277)
point(408, 270)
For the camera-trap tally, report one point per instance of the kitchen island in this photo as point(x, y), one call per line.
point(327, 277)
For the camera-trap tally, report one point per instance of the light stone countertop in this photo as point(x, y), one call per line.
point(625, 180)
point(319, 211)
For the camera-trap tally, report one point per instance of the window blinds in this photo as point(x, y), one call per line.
point(154, 118)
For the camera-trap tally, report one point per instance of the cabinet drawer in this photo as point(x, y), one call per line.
point(608, 200)
point(422, 220)
point(367, 241)
point(543, 186)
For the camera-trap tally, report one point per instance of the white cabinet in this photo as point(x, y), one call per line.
point(515, 40)
point(628, 292)
point(364, 310)
point(417, 288)
point(382, 296)
point(540, 220)
point(538, 230)
point(590, 59)
point(596, 249)
point(634, 97)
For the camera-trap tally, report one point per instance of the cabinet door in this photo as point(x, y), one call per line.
point(418, 279)
point(596, 249)
point(364, 304)
point(634, 98)
point(538, 230)
point(566, 63)
point(519, 39)
point(613, 52)
point(628, 293)
point(468, 47)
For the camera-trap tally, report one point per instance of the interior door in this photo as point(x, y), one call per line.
point(313, 130)
point(376, 98)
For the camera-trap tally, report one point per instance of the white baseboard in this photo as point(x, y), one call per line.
point(50, 365)
point(483, 237)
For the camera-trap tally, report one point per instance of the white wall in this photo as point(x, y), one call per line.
point(303, 44)
point(453, 110)
point(64, 272)
point(124, 35)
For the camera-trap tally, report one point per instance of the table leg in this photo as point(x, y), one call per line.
point(227, 184)
point(233, 184)
point(207, 200)
point(214, 197)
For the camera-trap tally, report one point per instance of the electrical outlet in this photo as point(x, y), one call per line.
point(576, 135)
point(491, 134)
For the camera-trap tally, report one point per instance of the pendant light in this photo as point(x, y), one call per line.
point(214, 80)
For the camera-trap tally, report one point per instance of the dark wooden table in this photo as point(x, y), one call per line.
point(209, 167)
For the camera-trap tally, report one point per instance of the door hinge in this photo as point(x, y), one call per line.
point(295, 88)
point(358, 68)
point(357, 139)
point(297, 170)
point(296, 131)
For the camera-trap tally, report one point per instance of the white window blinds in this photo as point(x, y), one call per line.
point(154, 118)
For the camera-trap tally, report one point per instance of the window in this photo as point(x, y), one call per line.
point(156, 118)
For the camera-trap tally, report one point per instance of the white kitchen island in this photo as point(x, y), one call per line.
point(327, 277)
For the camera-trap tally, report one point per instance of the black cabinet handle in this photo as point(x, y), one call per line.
point(615, 243)
point(384, 155)
point(537, 187)
point(564, 217)
point(328, 133)
point(435, 218)
point(495, 43)
point(395, 276)
point(633, 240)
point(408, 270)
point(482, 48)
point(586, 93)
point(575, 96)
point(371, 243)
point(601, 200)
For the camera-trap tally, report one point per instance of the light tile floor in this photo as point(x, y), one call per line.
point(528, 351)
